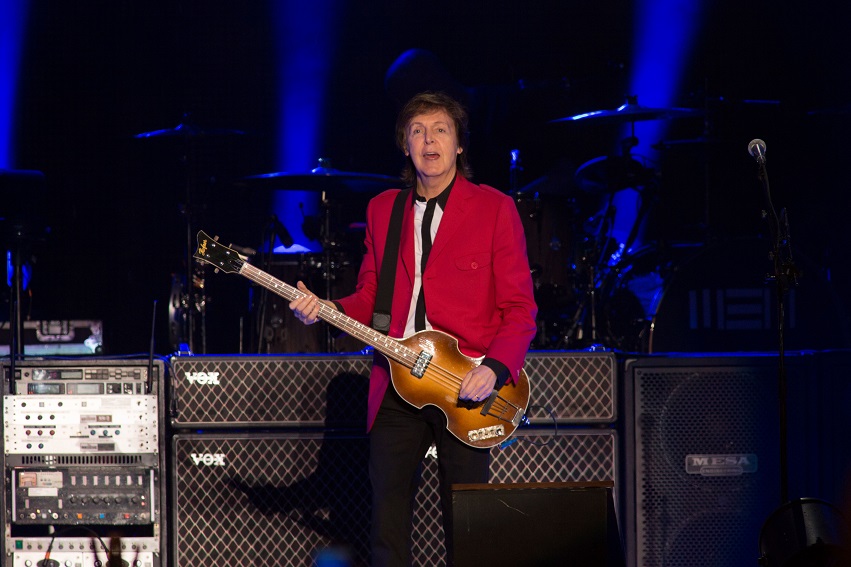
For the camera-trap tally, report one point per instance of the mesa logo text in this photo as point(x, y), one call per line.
point(203, 378)
point(722, 465)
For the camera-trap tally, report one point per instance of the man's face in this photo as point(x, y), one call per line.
point(432, 143)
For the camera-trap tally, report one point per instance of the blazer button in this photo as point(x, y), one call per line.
point(474, 265)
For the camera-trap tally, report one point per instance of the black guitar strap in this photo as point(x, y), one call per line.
point(384, 294)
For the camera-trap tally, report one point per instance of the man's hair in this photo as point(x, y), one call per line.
point(426, 103)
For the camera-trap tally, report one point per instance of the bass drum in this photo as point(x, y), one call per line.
point(548, 222)
point(719, 298)
point(630, 296)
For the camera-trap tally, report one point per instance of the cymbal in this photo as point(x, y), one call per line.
point(699, 141)
point(558, 181)
point(843, 110)
point(321, 179)
point(609, 174)
point(631, 111)
point(188, 130)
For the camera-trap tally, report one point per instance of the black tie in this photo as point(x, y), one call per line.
point(420, 316)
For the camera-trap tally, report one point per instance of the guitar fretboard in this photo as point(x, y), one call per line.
point(387, 346)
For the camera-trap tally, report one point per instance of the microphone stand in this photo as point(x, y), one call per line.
point(806, 528)
point(785, 276)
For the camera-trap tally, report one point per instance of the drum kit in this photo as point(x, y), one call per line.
point(584, 229)
point(597, 282)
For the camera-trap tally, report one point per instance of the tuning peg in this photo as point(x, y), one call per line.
point(243, 252)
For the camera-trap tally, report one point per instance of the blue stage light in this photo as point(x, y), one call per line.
point(306, 33)
point(12, 20)
point(665, 33)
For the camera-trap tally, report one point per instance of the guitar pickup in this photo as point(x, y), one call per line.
point(421, 364)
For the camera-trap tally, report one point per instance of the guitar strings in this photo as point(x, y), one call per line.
point(398, 351)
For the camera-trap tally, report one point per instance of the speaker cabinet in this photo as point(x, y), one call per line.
point(228, 391)
point(577, 387)
point(267, 499)
point(705, 454)
point(587, 535)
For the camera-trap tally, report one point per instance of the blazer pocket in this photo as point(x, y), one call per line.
point(471, 262)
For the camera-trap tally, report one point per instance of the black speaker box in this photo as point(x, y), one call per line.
point(536, 512)
point(704, 447)
point(269, 499)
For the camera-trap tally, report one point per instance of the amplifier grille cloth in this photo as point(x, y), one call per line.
point(694, 519)
point(277, 499)
point(331, 391)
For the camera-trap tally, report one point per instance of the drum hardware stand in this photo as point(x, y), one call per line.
point(274, 228)
point(327, 242)
point(587, 307)
point(21, 227)
point(515, 171)
point(16, 345)
point(188, 305)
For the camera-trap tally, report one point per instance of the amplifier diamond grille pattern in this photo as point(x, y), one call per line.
point(271, 501)
point(577, 387)
point(330, 391)
point(280, 390)
point(257, 499)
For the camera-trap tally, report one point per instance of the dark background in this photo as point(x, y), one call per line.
point(95, 74)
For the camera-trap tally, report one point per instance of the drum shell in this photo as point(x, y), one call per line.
point(548, 223)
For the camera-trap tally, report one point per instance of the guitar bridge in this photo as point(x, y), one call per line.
point(421, 364)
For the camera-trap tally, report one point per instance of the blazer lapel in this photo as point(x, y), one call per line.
point(406, 242)
point(453, 217)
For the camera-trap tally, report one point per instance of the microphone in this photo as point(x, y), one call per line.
point(757, 149)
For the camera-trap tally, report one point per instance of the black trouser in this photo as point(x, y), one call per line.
point(398, 441)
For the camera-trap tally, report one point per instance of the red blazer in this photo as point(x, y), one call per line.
point(477, 282)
